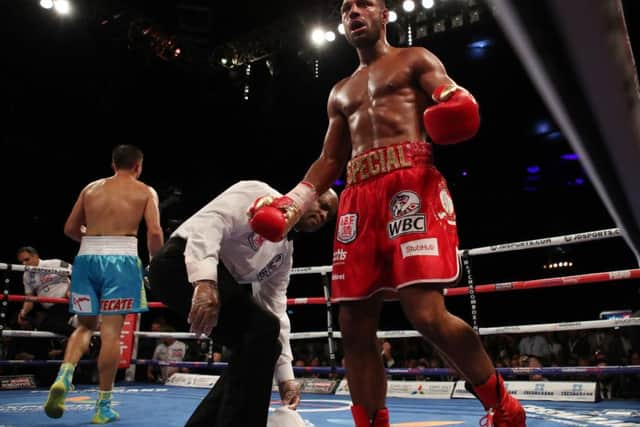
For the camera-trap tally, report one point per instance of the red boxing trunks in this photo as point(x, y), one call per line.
point(396, 224)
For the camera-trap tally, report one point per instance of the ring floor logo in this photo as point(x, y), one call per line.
point(586, 418)
point(75, 403)
point(81, 401)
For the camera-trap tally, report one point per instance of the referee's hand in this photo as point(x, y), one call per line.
point(290, 393)
point(205, 306)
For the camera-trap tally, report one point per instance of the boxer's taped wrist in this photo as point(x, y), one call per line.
point(444, 92)
point(303, 195)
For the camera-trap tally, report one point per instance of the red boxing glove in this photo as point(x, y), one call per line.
point(267, 221)
point(455, 117)
point(273, 217)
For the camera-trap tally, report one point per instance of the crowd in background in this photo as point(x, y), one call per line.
point(596, 347)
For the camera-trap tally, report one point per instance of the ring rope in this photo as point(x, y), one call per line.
point(504, 247)
point(579, 279)
point(46, 270)
point(551, 282)
point(568, 239)
point(545, 371)
point(518, 329)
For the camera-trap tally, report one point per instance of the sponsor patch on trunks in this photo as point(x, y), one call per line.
point(347, 228)
point(420, 247)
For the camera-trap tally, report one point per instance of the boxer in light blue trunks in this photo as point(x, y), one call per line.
point(107, 273)
point(107, 277)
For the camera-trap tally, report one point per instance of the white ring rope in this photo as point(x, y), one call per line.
point(521, 329)
point(548, 241)
point(46, 270)
point(544, 242)
point(324, 269)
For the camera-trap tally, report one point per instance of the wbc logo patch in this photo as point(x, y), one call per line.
point(405, 211)
point(347, 228)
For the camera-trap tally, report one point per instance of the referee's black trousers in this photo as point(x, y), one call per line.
point(242, 394)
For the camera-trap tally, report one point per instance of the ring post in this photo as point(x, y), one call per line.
point(327, 297)
point(466, 262)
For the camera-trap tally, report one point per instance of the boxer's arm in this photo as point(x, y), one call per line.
point(429, 70)
point(274, 218)
point(155, 238)
point(336, 148)
point(455, 116)
point(76, 219)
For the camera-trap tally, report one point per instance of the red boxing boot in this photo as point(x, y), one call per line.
point(360, 416)
point(503, 410)
point(381, 419)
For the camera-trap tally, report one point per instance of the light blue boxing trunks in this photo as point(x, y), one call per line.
point(107, 277)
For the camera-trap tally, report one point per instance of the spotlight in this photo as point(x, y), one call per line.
point(47, 4)
point(408, 5)
point(63, 7)
point(341, 26)
point(329, 36)
point(427, 4)
point(318, 37)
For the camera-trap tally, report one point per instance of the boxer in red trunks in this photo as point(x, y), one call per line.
point(396, 226)
point(395, 216)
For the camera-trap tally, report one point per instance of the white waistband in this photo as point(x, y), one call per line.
point(109, 245)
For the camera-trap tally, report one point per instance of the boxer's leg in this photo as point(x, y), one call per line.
point(77, 346)
point(425, 309)
point(364, 369)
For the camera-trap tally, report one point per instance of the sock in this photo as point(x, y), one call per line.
point(68, 368)
point(104, 394)
point(65, 374)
